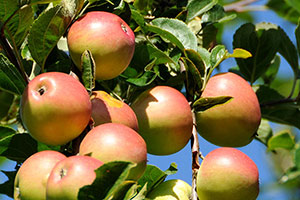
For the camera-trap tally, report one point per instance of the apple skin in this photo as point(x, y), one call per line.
point(55, 108)
point(234, 123)
point(69, 175)
point(108, 37)
point(116, 142)
point(174, 189)
point(227, 174)
point(32, 176)
point(165, 119)
point(106, 109)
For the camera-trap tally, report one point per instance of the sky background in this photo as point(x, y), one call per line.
point(255, 150)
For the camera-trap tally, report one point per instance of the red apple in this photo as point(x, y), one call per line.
point(234, 123)
point(55, 108)
point(227, 174)
point(165, 119)
point(106, 109)
point(31, 178)
point(116, 142)
point(69, 175)
point(108, 37)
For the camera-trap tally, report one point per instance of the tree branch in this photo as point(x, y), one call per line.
point(243, 6)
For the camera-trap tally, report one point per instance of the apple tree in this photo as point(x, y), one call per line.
point(89, 88)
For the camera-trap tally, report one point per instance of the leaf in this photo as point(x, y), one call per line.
point(294, 4)
point(10, 78)
point(196, 59)
point(282, 139)
point(194, 78)
point(139, 19)
point(172, 169)
point(297, 157)
point(147, 78)
point(284, 10)
point(143, 5)
point(264, 132)
point(110, 182)
point(297, 34)
point(58, 61)
point(7, 187)
point(152, 177)
point(44, 1)
point(46, 31)
point(7, 8)
point(263, 48)
point(196, 8)
point(175, 31)
point(216, 14)
point(6, 100)
point(288, 51)
point(272, 71)
point(240, 53)
point(17, 147)
point(6, 131)
point(88, 70)
point(205, 103)
point(18, 26)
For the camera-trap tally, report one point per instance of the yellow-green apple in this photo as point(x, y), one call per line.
point(108, 37)
point(106, 109)
point(32, 176)
point(116, 142)
point(165, 119)
point(234, 123)
point(174, 189)
point(69, 175)
point(227, 174)
point(55, 108)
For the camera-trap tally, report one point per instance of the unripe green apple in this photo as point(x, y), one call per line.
point(106, 109)
point(234, 123)
point(174, 189)
point(69, 175)
point(165, 119)
point(31, 179)
point(116, 142)
point(55, 108)
point(227, 174)
point(108, 37)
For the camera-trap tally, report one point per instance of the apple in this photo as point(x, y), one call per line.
point(174, 189)
point(165, 119)
point(31, 179)
point(69, 175)
point(55, 108)
point(108, 37)
point(106, 109)
point(116, 142)
point(227, 174)
point(234, 123)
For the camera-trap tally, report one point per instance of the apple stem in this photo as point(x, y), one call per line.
point(195, 158)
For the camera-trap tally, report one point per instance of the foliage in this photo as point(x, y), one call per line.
point(176, 44)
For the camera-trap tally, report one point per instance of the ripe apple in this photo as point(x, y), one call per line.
point(174, 189)
point(32, 176)
point(55, 108)
point(108, 37)
point(227, 174)
point(106, 109)
point(234, 123)
point(165, 119)
point(69, 175)
point(116, 142)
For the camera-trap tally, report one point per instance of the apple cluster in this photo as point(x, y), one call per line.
point(56, 109)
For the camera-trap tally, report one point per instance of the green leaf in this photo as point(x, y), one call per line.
point(175, 31)
point(6, 100)
point(88, 70)
point(284, 10)
point(7, 8)
point(297, 34)
point(196, 8)
point(297, 157)
point(216, 15)
point(145, 79)
point(288, 51)
point(10, 78)
point(172, 169)
point(17, 147)
point(143, 5)
point(264, 132)
point(139, 19)
point(294, 4)
point(218, 54)
point(110, 182)
point(205, 103)
point(272, 71)
point(7, 187)
point(262, 45)
point(292, 177)
point(283, 139)
point(196, 59)
point(205, 57)
point(194, 78)
point(18, 26)
point(152, 177)
point(58, 61)
point(46, 31)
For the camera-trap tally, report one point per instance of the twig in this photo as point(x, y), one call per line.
point(243, 6)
